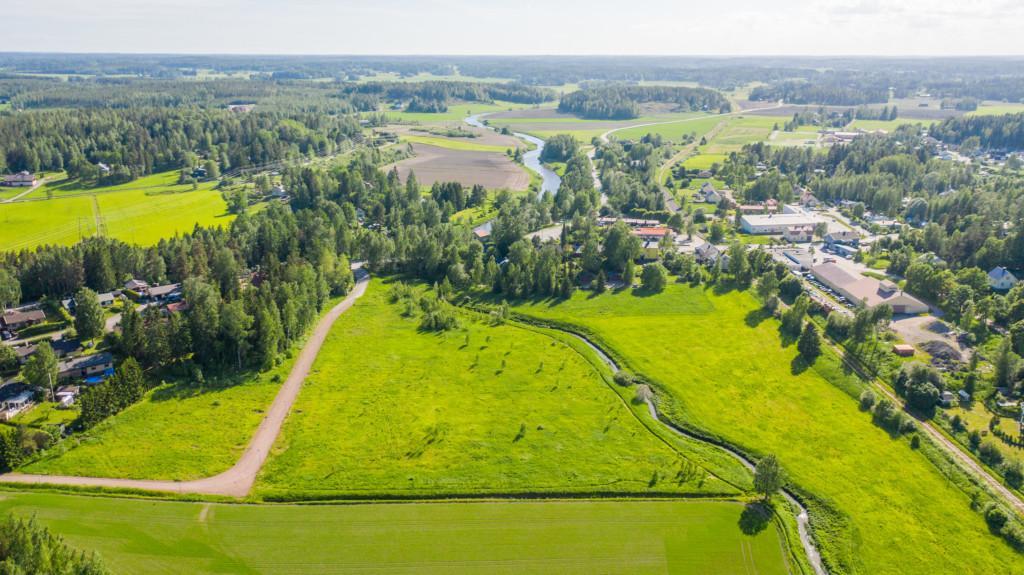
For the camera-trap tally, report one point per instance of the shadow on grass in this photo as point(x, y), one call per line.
point(799, 365)
point(755, 317)
point(755, 518)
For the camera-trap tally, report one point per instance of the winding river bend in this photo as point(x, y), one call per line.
point(550, 181)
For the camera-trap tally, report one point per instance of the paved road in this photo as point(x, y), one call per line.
point(237, 481)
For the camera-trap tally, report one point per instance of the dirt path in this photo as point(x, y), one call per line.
point(27, 191)
point(237, 481)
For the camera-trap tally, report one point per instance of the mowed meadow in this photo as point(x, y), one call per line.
point(142, 212)
point(720, 366)
point(551, 537)
point(391, 410)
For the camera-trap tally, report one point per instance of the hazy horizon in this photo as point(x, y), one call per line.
point(910, 28)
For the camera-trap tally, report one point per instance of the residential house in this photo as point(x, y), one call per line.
point(135, 285)
point(164, 293)
point(21, 179)
point(651, 250)
point(177, 307)
point(805, 197)
point(705, 174)
point(19, 319)
point(845, 237)
point(97, 364)
point(653, 233)
point(709, 254)
point(1001, 279)
point(708, 194)
point(631, 222)
point(103, 168)
point(12, 406)
point(799, 234)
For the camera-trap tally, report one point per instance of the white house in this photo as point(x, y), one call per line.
point(799, 234)
point(1001, 279)
point(778, 223)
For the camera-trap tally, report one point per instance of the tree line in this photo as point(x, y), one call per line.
point(622, 102)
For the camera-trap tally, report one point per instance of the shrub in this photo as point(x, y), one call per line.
point(995, 517)
point(867, 400)
point(1014, 473)
point(643, 393)
point(915, 441)
point(623, 378)
point(989, 453)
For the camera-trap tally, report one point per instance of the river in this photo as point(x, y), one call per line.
point(550, 181)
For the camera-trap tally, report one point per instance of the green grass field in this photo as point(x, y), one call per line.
point(699, 124)
point(704, 161)
point(453, 144)
point(455, 113)
point(391, 410)
point(179, 431)
point(142, 212)
point(997, 109)
point(722, 369)
point(557, 537)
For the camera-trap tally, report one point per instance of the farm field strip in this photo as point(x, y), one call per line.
point(564, 537)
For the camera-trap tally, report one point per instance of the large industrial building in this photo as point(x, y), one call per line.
point(867, 291)
point(792, 217)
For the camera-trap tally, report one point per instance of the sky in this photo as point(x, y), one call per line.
point(635, 27)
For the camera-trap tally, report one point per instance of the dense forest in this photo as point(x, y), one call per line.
point(839, 92)
point(448, 91)
point(623, 102)
point(143, 140)
point(989, 132)
point(28, 548)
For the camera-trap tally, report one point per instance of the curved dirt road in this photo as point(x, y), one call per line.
point(237, 481)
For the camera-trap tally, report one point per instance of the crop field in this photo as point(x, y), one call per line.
point(463, 144)
point(741, 130)
point(704, 161)
point(455, 113)
point(392, 410)
point(698, 125)
point(179, 431)
point(126, 212)
point(544, 123)
point(563, 537)
point(720, 367)
point(493, 170)
point(997, 109)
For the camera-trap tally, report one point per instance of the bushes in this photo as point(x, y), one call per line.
point(867, 400)
point(989, 453)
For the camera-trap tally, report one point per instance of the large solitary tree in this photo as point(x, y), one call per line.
point(768, 476)
point(88, 314)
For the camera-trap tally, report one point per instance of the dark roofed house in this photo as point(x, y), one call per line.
point(169, 292)
point(21, 179)
point(86, 366)
point(22, 318)
point(136, 285)
point(845, 237)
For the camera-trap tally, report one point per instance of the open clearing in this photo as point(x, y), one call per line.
point(544, 123)
point(141, 212)
point(724, 371)
point(149, 440)
point(455, 112)
point(628, 537)
point(493, 170)
point(392, 410)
